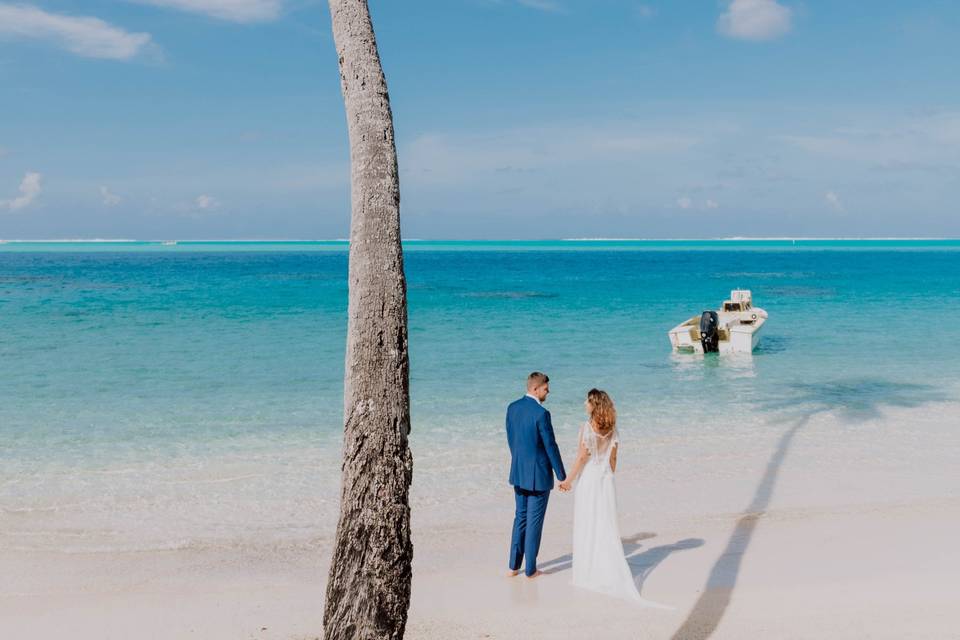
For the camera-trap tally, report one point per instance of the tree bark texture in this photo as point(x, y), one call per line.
point(368, 589)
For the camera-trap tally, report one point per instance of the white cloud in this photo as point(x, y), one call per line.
point(206, 203)
point(30, 188)
point(943, 128)
point(542, 5)
point(648, 142)
point(930, 141)
point(834, 201)
point(686, 202)
point(110, 199)
point(436, 158)
point(755, 20)
point(84, 36)
point(645, 11)
point(245, 11)
point(550, 6)
point(834, 145)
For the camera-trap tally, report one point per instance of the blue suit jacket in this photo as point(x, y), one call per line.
point(534, 453)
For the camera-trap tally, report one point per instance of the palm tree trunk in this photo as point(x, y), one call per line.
point(368, 590)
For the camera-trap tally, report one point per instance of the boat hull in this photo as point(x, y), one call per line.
point(734, 338)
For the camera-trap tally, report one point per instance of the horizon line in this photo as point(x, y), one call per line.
point(584, 239)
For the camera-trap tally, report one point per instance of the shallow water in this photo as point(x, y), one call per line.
point(157, 396)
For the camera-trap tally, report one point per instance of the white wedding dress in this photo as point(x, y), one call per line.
point(598, 560)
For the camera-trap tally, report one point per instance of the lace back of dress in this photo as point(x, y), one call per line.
point(598, 446)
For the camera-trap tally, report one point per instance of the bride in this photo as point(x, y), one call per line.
point(598, 560)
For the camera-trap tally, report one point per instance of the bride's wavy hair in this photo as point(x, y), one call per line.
point(602, 412)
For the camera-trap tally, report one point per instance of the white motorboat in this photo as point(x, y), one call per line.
point(733, 328)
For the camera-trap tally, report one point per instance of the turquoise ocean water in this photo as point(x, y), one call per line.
point(158, 396)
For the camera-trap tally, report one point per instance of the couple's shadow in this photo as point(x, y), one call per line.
point(642, 563)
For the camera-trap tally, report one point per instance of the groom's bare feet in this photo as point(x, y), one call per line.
point(513, 573)
point(536, 574)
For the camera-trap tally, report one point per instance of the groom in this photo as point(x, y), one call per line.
point(534, 459)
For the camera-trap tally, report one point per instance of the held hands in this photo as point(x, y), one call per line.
point(565, 486)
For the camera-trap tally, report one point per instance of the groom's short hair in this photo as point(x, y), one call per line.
point(536, 379)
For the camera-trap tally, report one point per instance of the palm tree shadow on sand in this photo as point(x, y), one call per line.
point(642, 563)
point(855, 400)
point(564, 562)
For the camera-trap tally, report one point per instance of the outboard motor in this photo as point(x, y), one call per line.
point(709, 331)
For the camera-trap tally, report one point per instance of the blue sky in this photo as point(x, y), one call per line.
point(515, 118)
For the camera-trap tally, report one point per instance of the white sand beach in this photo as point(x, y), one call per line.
point(822, 528)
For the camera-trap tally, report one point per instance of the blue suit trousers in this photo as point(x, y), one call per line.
point(527, 528)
